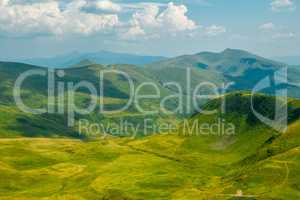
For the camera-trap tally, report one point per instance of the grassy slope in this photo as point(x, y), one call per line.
point(116, 89)
point(34, 93)
point(257, 160)
point(69, 169)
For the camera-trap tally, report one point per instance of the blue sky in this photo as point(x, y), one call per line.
point(44, 28)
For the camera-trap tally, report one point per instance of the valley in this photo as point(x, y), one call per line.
point(149, 100)
point(42, 157)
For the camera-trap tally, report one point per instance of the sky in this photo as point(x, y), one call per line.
point(46, 28)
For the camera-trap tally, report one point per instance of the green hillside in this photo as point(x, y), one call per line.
point(34, 93)
point(256, 160)
point(212, 67)
point(228, 154)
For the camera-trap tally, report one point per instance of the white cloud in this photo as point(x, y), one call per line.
point(4, 2)
point(267, 26)
point(107, 5)
point(150, 20)
point(133, 33)
point(48, 18)
point(214, 30)
point(283, 5)
point(147, 18)
point(174, 18)
point(83, 17)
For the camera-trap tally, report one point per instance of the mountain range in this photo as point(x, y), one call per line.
point(100, 57)
point(243, 69)
point(42, 157)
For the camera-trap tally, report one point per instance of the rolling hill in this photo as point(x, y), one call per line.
point(227, 155)
point(211, 67)
point(253, 163)
point(116, 94)
point(248, 160)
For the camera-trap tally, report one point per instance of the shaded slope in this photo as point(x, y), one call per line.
point(261, 162)
point(242, 68)
point(170, 166)
point(34, 93)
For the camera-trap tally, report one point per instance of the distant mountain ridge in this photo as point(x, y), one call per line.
point(207, 155)
point(244, 69)
point(226, 61)
point(100, 57)
point(240, 67)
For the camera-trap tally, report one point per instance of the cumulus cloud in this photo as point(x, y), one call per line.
point(104, 5)
point(83, 17)
point(147, 18)
point(174, 18)
point(283, 5)
point(48, 18)
point(150, 20)
point(132, 33)
point(214, 30)
point(267, 26)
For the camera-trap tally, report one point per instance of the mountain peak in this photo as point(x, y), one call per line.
point(236, 52)
point(228, 52)
point(84, 62)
